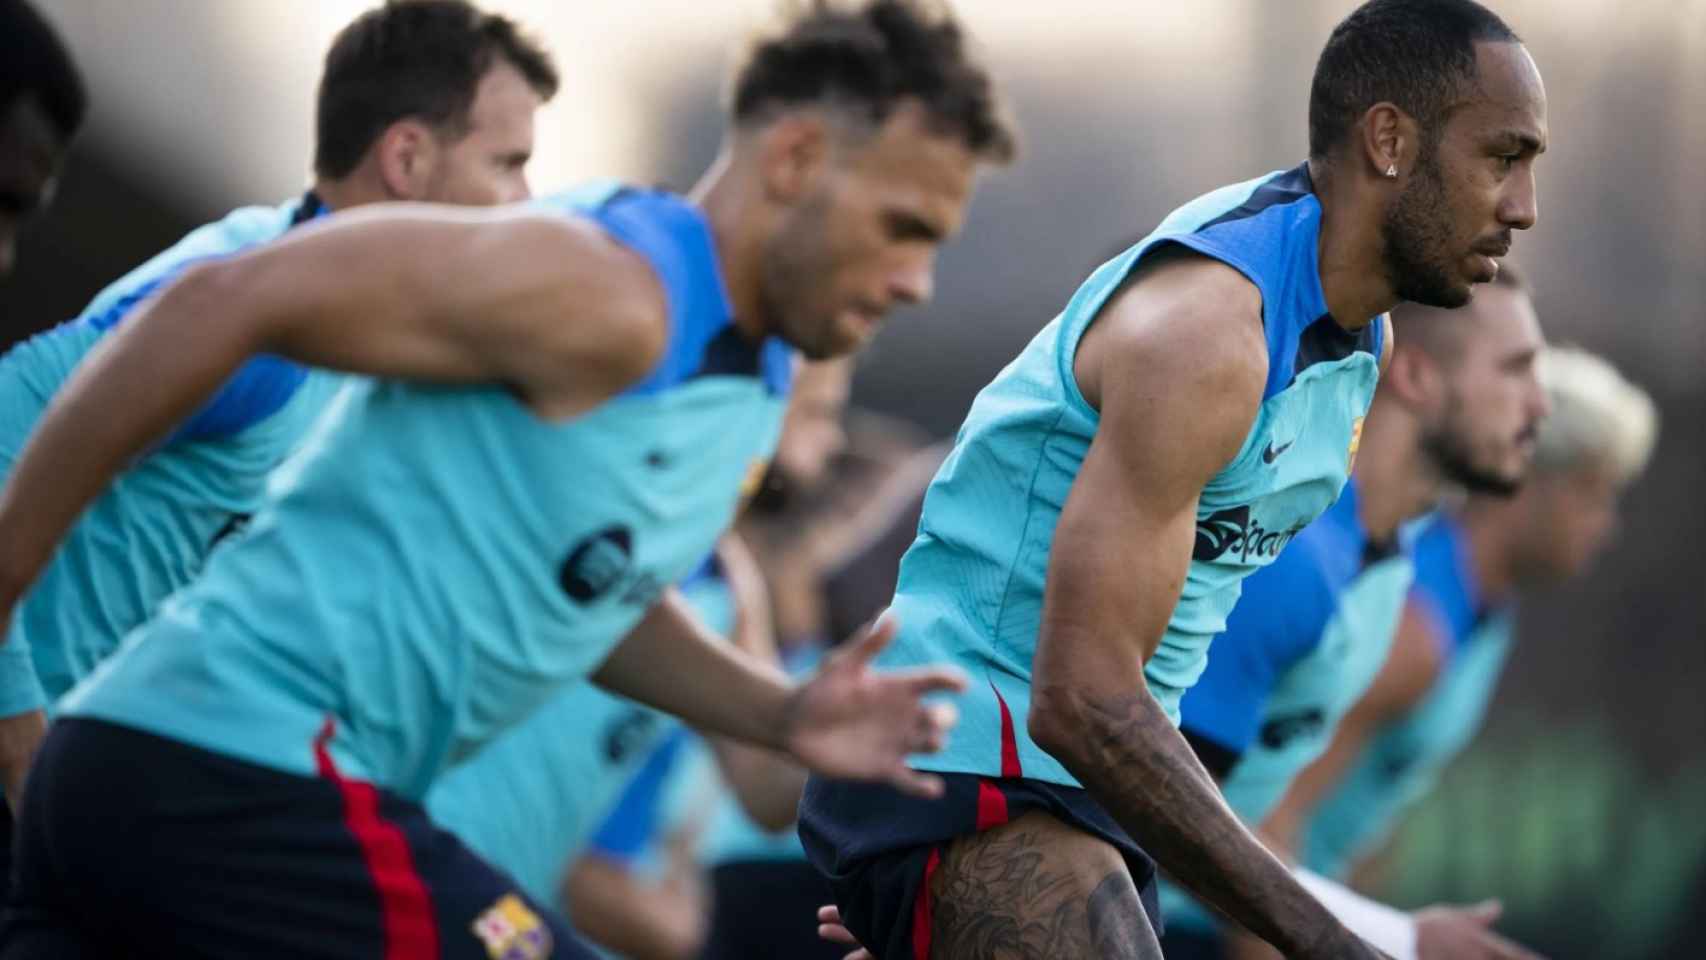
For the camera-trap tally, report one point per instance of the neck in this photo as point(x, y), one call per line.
point(1395, 479)
point(1350, 247)
point(352, 191)
point(1491, 524)
point(726, 197)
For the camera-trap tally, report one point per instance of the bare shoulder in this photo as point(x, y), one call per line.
point(594, 299)
point(1182, 321)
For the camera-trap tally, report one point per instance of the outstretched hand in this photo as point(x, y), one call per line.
point(850, 722)
point(1465, 933)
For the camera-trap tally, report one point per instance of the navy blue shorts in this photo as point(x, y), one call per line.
point(130, 844)
point(879, 847)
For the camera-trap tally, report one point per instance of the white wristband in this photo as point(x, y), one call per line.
point(1391, 930)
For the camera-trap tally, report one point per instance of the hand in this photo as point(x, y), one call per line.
point(829, 927)
point(1344, 945)
point(853, 723)
point(1464, 933)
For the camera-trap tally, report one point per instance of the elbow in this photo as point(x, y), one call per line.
point(771, 817)
point(1060, 722)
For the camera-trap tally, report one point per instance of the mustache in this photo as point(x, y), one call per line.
point(1495, 247)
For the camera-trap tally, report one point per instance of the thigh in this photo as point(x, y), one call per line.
point(1036, 888)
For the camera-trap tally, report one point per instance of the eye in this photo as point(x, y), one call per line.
point(1506, 161)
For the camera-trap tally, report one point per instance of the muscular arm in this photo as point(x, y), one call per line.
point(551, 306)
point(1409, 671)
point(1176, 364)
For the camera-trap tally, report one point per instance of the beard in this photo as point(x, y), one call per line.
point(796, 264)
point(1451, 455)
point(1413, 234)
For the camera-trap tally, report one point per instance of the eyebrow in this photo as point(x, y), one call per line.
point(1526, 142)
point(912, 226)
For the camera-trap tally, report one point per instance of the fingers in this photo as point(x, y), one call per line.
point(1506, 950)
point(829, 928)
point(836, 933)
point(871, 642)
point(926, 680)
point(915, 782)
point(1486, 913)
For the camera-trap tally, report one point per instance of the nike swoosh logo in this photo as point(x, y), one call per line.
point(1273, 452)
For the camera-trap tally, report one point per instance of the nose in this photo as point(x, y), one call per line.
point(1540, 402)
point(914, 280)
point(1519, 208)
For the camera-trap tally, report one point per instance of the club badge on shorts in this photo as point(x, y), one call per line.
point(512, 931)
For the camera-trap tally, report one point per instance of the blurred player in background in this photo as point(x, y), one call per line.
point(444, 558)
point(1193, 407)
point(1458, 408)
point(41, 108)
point(422, 100)
point(1472, 565)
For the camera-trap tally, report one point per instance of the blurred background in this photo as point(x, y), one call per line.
point(1581, 806)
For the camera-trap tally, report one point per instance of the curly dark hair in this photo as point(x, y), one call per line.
point(1417, 54)
point(869, 59)
point(420, 59)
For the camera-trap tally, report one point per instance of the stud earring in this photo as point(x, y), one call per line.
point(1392, 171)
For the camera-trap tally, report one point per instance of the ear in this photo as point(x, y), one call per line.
point(1416, 380)
point(792, 153)
point(406, 154)
point(1389, 141)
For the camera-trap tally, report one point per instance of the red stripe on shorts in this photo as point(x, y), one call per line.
point(411, 930)
point(921, 909)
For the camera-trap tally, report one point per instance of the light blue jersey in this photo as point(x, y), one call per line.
point(150, 532)
point(1405, 758)
point(444, 560)
point(530, 801)
point(971, 587)
point(1305, 641)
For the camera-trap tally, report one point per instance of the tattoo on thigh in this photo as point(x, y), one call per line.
point(999, 897)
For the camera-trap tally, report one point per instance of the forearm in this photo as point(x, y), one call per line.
point(126, 396)
point(1392, 930)
point(608, 904)
point(1127, 753)
point(20, 736)
point(673, 662)
point(767, 784)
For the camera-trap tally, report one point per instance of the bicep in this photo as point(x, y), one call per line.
point(426, 292)
point(1178, 380)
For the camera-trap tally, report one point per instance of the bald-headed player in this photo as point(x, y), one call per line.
point(424, 100)
point(611, 367)
point(1430, 697)
point(1457, 408)
point(1194, 406)
point(41, 107)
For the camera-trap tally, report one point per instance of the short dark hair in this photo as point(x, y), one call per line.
point(420, 59)
point(1417, 54)
point(871, 58)
point(33, 60)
